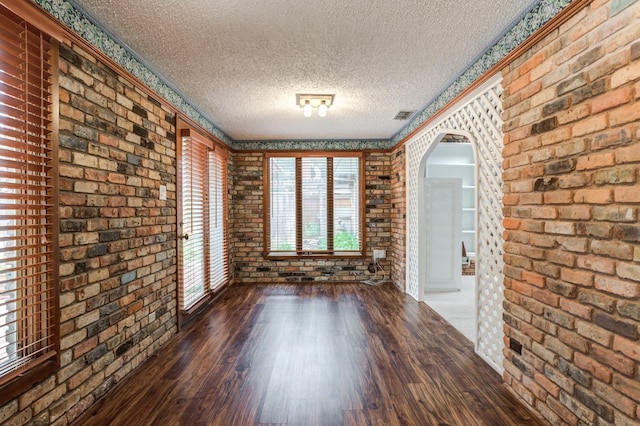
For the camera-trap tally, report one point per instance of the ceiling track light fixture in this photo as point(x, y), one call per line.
point(309, 102)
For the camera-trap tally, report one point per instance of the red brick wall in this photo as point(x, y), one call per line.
point(572, 240)
point(398, 218)
point(117, 240)
point(247, 228)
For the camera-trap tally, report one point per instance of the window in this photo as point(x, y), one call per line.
point(218, 263)
point(203, 248)
point(29, 340)
point(314, 205)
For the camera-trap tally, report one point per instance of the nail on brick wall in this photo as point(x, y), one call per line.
point(247, 228)
point(572, 200)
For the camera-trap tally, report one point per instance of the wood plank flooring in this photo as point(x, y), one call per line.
point(314, 354)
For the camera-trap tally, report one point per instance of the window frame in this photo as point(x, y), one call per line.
point(309, 254)
point(17, 380)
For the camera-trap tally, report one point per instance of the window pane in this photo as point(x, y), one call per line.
point(217, 241)
point(346, 204)
point(314, 203)
point(325, 215)
point(193, 213)
point(282, 208)
point(9, 265)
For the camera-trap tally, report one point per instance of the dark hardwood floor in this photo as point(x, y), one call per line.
point(314, 354)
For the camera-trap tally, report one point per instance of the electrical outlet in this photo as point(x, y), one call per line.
point(163, 192)
point(379, 254)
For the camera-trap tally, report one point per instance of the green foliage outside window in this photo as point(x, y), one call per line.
point(345, 241)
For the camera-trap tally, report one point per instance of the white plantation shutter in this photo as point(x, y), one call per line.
point(28, 218)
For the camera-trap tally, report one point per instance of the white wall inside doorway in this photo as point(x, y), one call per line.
point(456, 160)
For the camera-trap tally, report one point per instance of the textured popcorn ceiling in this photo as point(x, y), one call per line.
point(241, 62)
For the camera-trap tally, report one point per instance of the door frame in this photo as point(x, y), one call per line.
point(186, 317)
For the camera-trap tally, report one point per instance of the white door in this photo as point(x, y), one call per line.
point(443, 215)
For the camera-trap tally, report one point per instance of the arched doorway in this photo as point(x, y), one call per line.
point(478, 115)
point(447, 216)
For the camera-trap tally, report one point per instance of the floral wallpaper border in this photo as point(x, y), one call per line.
point(532, 21)
point(72, 17)
point(78, 22)
point(313, 145)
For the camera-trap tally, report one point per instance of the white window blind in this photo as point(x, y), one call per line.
point(203, 260)
point(218, 265)
point(346, 204)
point(314, 205)
point(194, 167)
point(282, 204)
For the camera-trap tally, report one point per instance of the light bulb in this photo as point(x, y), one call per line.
point(307, 110)
point(322, 109)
